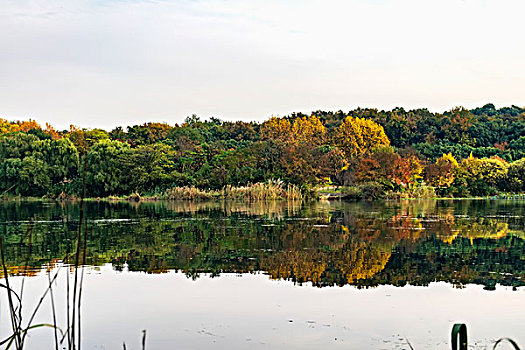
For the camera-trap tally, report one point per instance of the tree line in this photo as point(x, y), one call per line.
point(460, 152)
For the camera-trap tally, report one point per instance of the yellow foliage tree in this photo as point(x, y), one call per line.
point(25, 126)
point(494, 170)
point(443, 172)
point(276, 129)
point(308, 129)
point(482, 176)
point(471, 166)
point(4, 126)
point(358, 136)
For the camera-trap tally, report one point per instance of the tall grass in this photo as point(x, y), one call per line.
point(189, 193)
point(20, 327)
point(263, 191)
point(271, 190)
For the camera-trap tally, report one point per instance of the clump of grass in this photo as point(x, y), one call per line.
point(189, 193)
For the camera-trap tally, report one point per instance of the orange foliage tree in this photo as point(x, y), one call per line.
point(385, 164)
point(51, 132)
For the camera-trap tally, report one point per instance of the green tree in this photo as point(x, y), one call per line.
point(105, 170)
point(516, 176)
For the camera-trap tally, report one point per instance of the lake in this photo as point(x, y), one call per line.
point(272, 275)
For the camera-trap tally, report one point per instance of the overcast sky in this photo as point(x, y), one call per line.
point(107, 63)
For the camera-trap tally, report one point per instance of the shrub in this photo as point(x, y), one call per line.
point(352, 192)
point(372, 190)
point(422, 191)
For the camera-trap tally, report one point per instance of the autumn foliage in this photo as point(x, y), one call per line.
point(416, 153)
point(358, 136)
point(387, 165)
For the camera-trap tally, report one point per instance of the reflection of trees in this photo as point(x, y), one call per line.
point(307, 266)
point(484, 261)
point(346, 261)
point(361, 261)
point(363, 244)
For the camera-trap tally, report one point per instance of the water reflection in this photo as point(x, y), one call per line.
point(362, 244)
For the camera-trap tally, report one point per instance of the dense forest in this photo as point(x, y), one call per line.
point(373, 153)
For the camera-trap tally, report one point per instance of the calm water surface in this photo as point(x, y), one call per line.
point(277, 275)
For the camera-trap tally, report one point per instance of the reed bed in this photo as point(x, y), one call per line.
point(263, 191)
point(272, 190)
point(189, 193)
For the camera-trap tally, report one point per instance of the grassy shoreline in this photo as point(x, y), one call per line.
point(273, 190)
point(205, 195)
